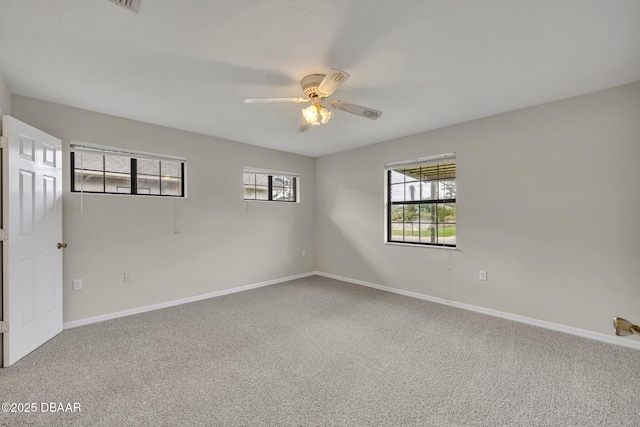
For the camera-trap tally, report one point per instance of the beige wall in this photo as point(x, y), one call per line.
point(223, 243)
point(548, 204)
point(5, 98)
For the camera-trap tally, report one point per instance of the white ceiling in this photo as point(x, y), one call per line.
point(188, 64)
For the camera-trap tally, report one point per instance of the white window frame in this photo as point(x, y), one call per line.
point(422, 161)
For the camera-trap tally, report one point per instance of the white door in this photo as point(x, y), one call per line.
point(32, 214)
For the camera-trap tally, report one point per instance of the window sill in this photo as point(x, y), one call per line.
point(280, 202)
point(147, 196)
point(449, 248)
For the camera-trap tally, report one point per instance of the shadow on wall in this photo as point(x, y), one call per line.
point(363, 252)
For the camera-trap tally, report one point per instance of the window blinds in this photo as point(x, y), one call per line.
point(422, 161)
point(80, 147)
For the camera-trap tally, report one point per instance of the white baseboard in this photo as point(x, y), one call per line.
point(109, 316)
point(611, 339)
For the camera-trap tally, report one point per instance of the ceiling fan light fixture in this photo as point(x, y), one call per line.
point(310, 114)
point(325, 115)
point(316, 114)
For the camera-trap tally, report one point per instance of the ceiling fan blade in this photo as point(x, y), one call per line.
point(264, 100)
point(304, 126)
point(367, 112)
point(331, 81)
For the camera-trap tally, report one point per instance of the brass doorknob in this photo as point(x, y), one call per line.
point(62, 245)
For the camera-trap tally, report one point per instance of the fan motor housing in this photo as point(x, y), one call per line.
point(310, 85)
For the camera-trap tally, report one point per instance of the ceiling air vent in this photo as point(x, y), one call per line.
point(132, 5)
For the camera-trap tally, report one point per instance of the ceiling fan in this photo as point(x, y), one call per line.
point(317, 88)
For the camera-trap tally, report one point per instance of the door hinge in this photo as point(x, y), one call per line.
point(4, 142)
point(4, 235)
point(4, 327)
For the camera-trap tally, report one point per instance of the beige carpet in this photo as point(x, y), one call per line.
point(319, 352)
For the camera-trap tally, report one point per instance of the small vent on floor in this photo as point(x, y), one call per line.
point(132, 5)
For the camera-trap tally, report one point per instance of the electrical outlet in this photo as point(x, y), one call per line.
point(304, 252)
point(483, 275)
point(128, 278)
point(77, 284)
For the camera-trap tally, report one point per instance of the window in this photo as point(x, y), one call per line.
point(109, 170)
point(421, 201)
point(270, 186)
